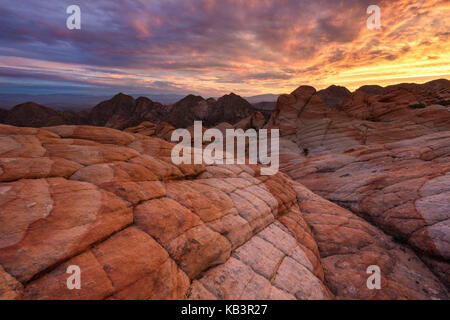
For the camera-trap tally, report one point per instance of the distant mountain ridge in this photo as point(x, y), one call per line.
point(75, 102)
point(333, 96)
point(78, 102)
point(123, 111)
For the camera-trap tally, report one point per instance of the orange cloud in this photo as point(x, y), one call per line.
point(213, 47)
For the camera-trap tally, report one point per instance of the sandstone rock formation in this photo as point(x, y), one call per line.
point(333, 96)
point(34, 115)
point(184, 112)
point(365, 182)
point(140, 227)
point(385, 157)
point(123, 111)
point(230, 108)
point(255, 121)
point(162, 130)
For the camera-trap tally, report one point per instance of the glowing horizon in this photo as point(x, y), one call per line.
point(212, 47)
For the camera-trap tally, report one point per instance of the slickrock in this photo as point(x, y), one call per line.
point(361, 120)
point(408, 104)
point(10, 288)
point(140, 227)
point(255, 121)
point(100, 135)
point(63, 218)
point(53, 285)
point(162, 130)
point(12, 169)
point(384, 156)
point(348, 245)
point(402, 187)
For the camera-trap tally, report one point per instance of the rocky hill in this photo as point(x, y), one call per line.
point(333, 96)
point(34, 115)
point(123, 111)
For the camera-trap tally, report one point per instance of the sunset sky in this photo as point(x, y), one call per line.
point(213, 47)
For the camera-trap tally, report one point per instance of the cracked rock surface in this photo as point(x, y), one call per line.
point(381, 157)
point(140, 227)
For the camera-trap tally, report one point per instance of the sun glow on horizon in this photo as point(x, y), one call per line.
point(249, 47)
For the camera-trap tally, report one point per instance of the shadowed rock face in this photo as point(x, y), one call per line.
point(372, 90)
point(380, 157)
point(230, 108)
point(333, 96)
point(140, 227)
point(187, 110)
point(3, 114)
point(420, 104)
point(123, 111)
point(34, 115)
